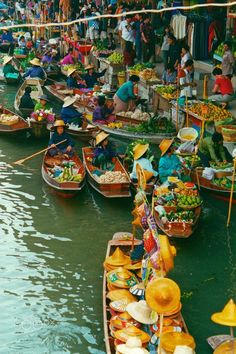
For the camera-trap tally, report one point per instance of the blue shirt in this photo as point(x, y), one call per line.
point(7, 37)
point(56, 138)
point(167, 165)
point(125, 92)
point(35, 71)
point(91, 80)
point(145, 164)
point(71, 83)
point(69, 114)
point(169, 78)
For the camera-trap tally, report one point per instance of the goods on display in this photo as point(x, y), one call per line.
point(112, 177)
point(116, 58)
point(8, 119)
point(137, 114)
point(155, 124)
point(214, 113)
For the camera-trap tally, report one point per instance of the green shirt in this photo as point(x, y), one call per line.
point(9, 69)
point(209, 148)
point(39, 107)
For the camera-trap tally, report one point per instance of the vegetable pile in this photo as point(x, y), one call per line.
point(69, 175)
point(116, 58)
point(181, 216)
point(137, 114)
point(223, 182)
point(155, 124)
point(112, 177)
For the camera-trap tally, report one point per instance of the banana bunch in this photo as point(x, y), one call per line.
point(115, 125)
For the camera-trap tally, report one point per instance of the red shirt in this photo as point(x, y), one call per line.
point(225, 85)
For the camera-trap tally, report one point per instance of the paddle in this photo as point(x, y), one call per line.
point(19, 162)
point(231, 193)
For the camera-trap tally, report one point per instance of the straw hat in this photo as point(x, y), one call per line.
point(70, 71)
point(122, 320)
point(119, 305)
point(133, 266)
point(131, 331)
point(165, 145)
point(226, 348)
point(100, 137)
point(90, 66)
point(170, 340)
point(122, 278)
point(68, 101)
point(138, 289)
point(59, 123)
point(167, 253)
point(174, 311)
point(139, 150)
point(121, 294)
point(132, 345)
point(163, 295)
point(7, 59)
point(44, 97)
point(111, 287)
point(118, 258)
point(141, 312)
point(183, 349)
point(227, 317)
point(35, 62)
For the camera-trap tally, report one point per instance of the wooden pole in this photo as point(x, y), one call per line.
point(187, 115)
point(205, 87)
point(231, 194)
point(160, 332)
point(177, 111)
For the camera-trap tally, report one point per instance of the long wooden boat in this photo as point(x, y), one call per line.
point(35, 93)
point(13, 129)
point(124, 241)
point(216, 191)
point(178, 229)
point(66, 189)
point(109, 190)
point(83, 134)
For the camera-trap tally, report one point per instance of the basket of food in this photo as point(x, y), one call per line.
point(187, 134)
point(188, 202)
point(229, 133)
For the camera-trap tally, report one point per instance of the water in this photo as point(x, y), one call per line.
point(52, 250)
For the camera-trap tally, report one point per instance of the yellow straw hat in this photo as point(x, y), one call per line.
point(118, 258)
point(133, 266)
point(121, 278)
point(90, 66)
point(100, 137)
point(7, 59)
point(139, 150)
point(183, 349)
point(70, 71)
point(133, 345)
point(59, 123)
point(122, 320)
point(131, 331)
point(167, 253)
point(226, 347)
point(119, 305)
point(227, 317)
point(163, 295)
point(35, 62)
point(170, 340)
point(141, 312)
point(165, 145)
point(120, 294)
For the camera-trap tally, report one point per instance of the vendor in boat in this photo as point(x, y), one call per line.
point(103, 153)
point(169, 164)
point(74, 80)
point(125, 94)
point(26, 101)
point(36, 70)
point(140, 157)
point(211, 149)
point(59, 134)
point(48, 57)
point(91, 77)
point(7, 37)
point(68, 59)
point(8, 67)
point(102, 113)
point(43, 104)
point(69, 114)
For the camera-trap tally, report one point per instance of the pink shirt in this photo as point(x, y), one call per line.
point(68, 59)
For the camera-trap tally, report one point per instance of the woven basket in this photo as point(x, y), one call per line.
point(229, 133)
point(188, 207)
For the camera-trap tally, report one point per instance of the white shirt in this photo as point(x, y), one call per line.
point(186, 57)
point(127, 32)
point(186, 91)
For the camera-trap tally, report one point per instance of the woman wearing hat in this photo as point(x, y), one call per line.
point(91, 77)
point(57, 136)
point(169, 164)
point(68, 59)
point(43, 104)
point(74, 80)
point(140, 157)
point(125, 94)
point(103, 153)
point(69, 114)
point(36, 70)
point(102, 113)
point(8, 67)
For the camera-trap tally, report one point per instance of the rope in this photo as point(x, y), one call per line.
point(98, 17)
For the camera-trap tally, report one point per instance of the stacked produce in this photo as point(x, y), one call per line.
point(115, 125)
point(101, 51)
point(69, 175)
point(188, 201)
point(8, 119)
point(137, 114)
point(137, 68)
point(221, 165)
point(112, 177)
point(223, 182)
point(116, 58)
point(41, 115)
point(181, 216)
point(192, 161)
point(214, 113)
point(148, 75)
point(155, 124)
point(78, 66)
point(168, 91)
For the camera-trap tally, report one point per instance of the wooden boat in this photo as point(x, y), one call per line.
point(39, 129)
point(178, 229)
point(8, 80)
point(216, 191)
point(64, 189)
point(124, 242)
point(83, 134)
point(36, 92)
point(64, 72)
point(13, 129)
point(109, 190)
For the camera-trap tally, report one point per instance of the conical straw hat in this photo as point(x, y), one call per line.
point(141, 312)
point(227, 317)
point(228, 347)
point(162, 295)
point(121, 278)
point(120, 294)
point(133, 266)
point(131, 331)
point(118, 258)
point(133, 346)
point(165, 145)
point(170, 340)
point(167, 253)
point(139, 150)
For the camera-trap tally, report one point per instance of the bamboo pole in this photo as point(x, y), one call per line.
point(205, 87)
point(231, 194)
point(187, 113)
point(177, 110)
point(160, 332)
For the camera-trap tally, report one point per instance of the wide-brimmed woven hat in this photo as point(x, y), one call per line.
point(121, 278)
point(68, 101)
point(124, 334)
point(100, 137)
point(7, 59)
point(167, 253)
point(133, 266)
point(139, 150)
point(165, 145)
point(183, 349)
point(133, 345)
point(162, 295)
point(227, 317)
point(226, 347)
point(35, 62)
point(118, 258)
point(70, 71)
point(119, 305)
point(170, 340)
point(120, 294)
point(122, 320)
point(59, 123)
point(141, 312)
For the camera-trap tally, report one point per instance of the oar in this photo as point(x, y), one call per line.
point(19, 162)
point(231, 194)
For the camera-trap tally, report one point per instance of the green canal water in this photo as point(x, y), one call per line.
point(52, 250)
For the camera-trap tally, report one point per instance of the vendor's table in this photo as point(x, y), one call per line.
point(112, 71)
point(159, 102)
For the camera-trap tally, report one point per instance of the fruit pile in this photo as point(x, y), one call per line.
point(148, 74)
point(192, 161)
point(221, 165)
point(214, 113)
point(68, 175)
point(220, 50)
point(8, 119)
point(181, 216)
point(115, 125)
point(169, 89)
point(190, 202)
point(223, 182)
point(116, 58)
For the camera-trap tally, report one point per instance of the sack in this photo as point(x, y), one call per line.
point(208, 173)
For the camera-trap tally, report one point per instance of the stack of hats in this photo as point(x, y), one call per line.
point(133, 345)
